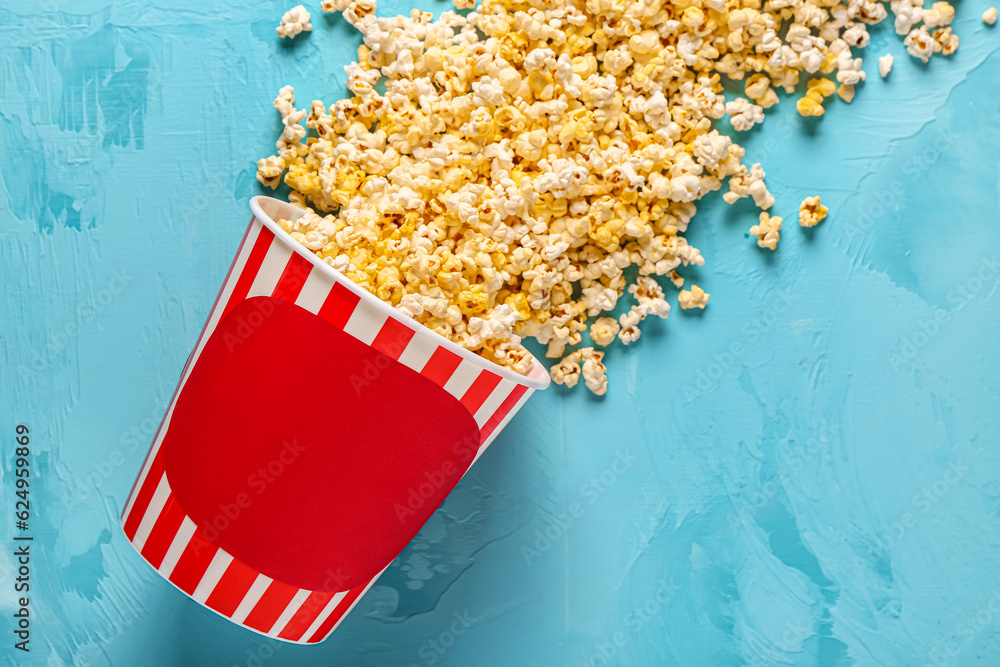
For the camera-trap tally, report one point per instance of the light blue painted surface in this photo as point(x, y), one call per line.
point(776, 499)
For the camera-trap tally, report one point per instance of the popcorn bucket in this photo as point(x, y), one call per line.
point(313, 432)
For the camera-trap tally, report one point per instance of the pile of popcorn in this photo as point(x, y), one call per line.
point(521, 169)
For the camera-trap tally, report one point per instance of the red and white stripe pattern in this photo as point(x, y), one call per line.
point(273, 265)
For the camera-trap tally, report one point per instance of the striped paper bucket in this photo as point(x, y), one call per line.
point(313, 432)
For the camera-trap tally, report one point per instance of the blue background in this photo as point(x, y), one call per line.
point(825, 493)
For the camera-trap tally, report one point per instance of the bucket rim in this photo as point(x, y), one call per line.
point(536, 378)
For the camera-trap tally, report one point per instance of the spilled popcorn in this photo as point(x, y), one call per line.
point(294, 22)
point(811, 104)
point(696, 297)
point(568, 370)
point(885, 65)
point(811, 212)
point(331, 6)
point(526, 169)
point(767, 231)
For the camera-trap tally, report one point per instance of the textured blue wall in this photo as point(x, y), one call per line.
point(829, 494)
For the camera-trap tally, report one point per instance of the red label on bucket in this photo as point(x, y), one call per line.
point(305, 453)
